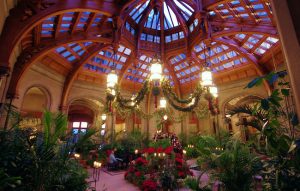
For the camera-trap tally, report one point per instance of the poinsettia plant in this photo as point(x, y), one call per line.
point(162, 164)
point(136, 172)
point(149, 185)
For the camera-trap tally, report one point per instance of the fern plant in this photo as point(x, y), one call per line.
point(235, 166)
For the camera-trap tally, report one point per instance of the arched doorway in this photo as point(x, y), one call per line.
point(84, 113)
point(235, 122)
point(80, 118)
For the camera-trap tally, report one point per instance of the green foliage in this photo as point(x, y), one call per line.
point(84, 144)
point(195, 184)
point(183, 139)
point(133, 140)
point(167, 178)
point(277, 123)
point(176, 102)
point(235, 166)
point(31, 160)
point(203, 147)
point(164, 143)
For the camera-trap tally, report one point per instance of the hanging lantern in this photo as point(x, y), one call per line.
point(156, 70)
point(132, 103)
point(206, 77)
point(103, 117)
point(165, 117)
point(113, 92)
point(192, 102)
point(213, 90)
point(112, 79)
point(162, 103)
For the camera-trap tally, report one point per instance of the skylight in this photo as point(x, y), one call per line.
point(169, 17)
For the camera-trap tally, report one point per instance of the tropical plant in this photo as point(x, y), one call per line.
point(163, 143)
point(85, 144)
point(133, 140)
point(195, 184)
point(32, 160)
point(203, 148)
point(274, 117)
point(235, 166)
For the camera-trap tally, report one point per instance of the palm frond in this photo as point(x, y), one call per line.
point(89, 133)
point(47, 124)
point(60, 127)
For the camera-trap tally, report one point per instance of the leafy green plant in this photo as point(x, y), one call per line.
point(84, 144)
point(164, 143)
point(195, 183)
point(168, 179)
point(32, 160)
point(204, 147)
point(235, 166)
point(274, 117)
point(133, 140)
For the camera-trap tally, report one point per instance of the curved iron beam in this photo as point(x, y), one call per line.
point(18, 24)
point(69, 81)
point(31, 55)
point(250, 57)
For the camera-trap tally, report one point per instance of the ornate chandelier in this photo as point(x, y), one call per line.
point(161, 87)
point(156, 70)
point(112, 79)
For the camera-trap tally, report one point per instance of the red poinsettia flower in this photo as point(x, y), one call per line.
point(178, 155)
point(179, 160)
point(151, 150)
point(159, 150)
point(181, 174)
point(141, 161)
point(149, 185)
point(138, 173)
point(131, 169)
point(126, 174)
point(169, 150)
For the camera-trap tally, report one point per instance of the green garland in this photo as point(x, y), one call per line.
point(125, 110)
point(137, 100)
point(172, 98)
point(167, 88)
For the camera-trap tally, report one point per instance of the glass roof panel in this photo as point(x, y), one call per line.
point(170, 19)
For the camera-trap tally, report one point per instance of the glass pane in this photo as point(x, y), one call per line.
point(75, 131)
point(76, 124)
point(84, 124)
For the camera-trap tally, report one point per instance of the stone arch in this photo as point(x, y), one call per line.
point(89, 105)
point(35, 100)
point(235, 122)
point(243, 96)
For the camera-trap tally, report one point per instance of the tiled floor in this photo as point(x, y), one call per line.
point(116, 182)
point(109, 182)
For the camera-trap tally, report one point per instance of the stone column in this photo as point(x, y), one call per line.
point(283, 11)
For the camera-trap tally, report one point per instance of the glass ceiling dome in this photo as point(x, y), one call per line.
point(241, 38)
point(154, 19)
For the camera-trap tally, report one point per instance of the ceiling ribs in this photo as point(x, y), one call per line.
point(57, 25)
point(235, 28)
point(75, 70)
point(76, 20)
